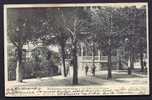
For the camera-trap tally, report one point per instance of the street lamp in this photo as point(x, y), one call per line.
point(126, 40)
point(17, 29)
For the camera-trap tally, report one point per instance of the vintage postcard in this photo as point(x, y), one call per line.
point(85, 49)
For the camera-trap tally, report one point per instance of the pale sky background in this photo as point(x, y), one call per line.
point(53, 48)
point(138, 5)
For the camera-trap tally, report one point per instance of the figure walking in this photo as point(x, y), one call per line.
point(67, 70)
point(93, 70)
point(86, 70)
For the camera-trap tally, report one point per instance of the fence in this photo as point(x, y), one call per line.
point(97, 59)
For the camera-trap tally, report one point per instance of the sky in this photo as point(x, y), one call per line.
point(138, 5)
point(53, 48)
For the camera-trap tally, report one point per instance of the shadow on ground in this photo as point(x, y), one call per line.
point(118, 77)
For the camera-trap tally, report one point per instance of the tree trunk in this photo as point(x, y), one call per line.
point(109, 67)
point(130, 65)
point(63, 60)
point(133, 59)
point(75, 66)
point(19, 73)
point(93, 54)
point(141, 62)
point(37, 67)
point(93, 58)
point(120, 65)
point(109, 64)
point(101, 65)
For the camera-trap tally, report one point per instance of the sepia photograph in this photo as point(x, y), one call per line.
point(84, 49)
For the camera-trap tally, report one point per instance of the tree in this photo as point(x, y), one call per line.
point(131, 37)
point(21, 28)
point(141, 43)
point(36, 53)
point(110, 28)
point(74, 20)
point(104, 31)
point(135, 35)
point(55, 32)
point(44, 61)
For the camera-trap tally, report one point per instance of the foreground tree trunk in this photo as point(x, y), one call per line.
point(109, 64)
point(129, 68)
point(93, 59)
point(19, 73)
point(101, 65)
point(109, 67)
point(63, 60)
point(75, 66)
point(130, 65)
point(141, 62)
point(133, 58)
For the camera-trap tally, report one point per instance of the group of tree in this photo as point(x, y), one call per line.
point(107, 28)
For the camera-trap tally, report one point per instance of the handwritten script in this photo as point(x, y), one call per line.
point(76, 91)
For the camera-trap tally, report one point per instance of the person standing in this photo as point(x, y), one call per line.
point(68, 70)
point(86, 69)
point(93, 70)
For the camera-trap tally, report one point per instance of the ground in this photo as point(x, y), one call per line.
point(118, 78)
